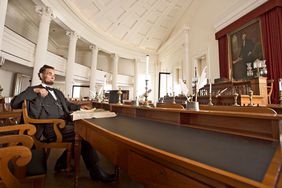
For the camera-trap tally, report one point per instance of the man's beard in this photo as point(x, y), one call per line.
point(49, 83)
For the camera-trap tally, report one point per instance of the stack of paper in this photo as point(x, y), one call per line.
point(88, 114)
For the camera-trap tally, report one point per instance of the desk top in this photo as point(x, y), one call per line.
point(247, 157)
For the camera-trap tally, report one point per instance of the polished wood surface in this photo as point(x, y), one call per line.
point(16, 149)
point(170, 105)
point(103, 105)
point(250, 124)
point(244, 109)
point(83, 103)
point(166, 169)
point(257, 85)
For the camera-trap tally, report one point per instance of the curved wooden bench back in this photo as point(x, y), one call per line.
point(170, 105)
point(249, 109)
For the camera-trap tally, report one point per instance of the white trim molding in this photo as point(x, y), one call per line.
point(239, 9)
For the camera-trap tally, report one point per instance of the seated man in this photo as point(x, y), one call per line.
point(46, 102)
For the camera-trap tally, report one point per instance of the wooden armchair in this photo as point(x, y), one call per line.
point(19, 158)
point(58, 143)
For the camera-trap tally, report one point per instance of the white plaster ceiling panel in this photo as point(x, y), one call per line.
point(153, 17)
point(145, 24)
point(103, 23)
point(119, 31)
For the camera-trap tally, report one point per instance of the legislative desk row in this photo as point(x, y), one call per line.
point(161, 147)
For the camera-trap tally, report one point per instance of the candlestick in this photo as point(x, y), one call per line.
point(173, 98)
point(210, 87)
point(280, 84)
point(119, 96)
point(210, 99)
point(146, 102)
point(236, 99)
point(251, 93)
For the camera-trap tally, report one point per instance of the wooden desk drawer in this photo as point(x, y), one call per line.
point(153, 174)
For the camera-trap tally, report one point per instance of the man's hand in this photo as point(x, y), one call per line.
point(41, 91)
point(85, 107)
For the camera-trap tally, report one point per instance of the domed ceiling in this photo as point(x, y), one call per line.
point(145, 24)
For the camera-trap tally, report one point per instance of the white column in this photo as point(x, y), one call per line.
point(70, 62)
point(136, 74)
point(3, 12)
point(94, 58)
point(185, 64)
point(115, 72)
point(42, 41)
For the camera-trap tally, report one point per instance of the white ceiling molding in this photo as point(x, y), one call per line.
point(236, 11)
point(65, 15)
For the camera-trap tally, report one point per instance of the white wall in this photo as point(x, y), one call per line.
point(6, 82)
point(104, 62)
point(83, 57)
point(204, 19)
point(126, 66)
point(200, 18)
point(24, 26)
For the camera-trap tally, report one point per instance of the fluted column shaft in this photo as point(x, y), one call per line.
point(115, 72)
point(136, 74)
point(185, 65)
point(94, 57)
point(42, 41)
point(70, 62)
point(3, 12)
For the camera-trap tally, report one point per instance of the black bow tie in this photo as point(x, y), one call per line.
point(49, 88)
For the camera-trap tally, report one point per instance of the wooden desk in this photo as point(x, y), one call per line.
point(104, 105)
point(83, 103)
point(162, 154)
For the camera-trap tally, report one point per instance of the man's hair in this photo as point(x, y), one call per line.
point(42, 70)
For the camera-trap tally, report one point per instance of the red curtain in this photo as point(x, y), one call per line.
point(223, 56)
point(271, 26)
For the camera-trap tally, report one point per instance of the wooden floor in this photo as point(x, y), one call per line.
point(62, 181)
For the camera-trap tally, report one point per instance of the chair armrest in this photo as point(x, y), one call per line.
point(59, 122)
point(13, 140)
point(22, 156)
point(31, 129)
point(55, 122)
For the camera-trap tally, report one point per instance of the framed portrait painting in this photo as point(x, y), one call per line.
point(245, 46)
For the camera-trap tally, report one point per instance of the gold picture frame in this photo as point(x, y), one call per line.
point(245, 46)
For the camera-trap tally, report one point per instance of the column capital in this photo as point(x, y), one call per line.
point(72, 34)
point(93, 47)
point(186, 29)
point(45, 11)
point(115, 56)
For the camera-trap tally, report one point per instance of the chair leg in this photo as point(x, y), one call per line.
point(39, 182)
point(68, 170)
point(47, 151)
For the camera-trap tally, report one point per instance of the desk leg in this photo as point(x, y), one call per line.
point(77, 148)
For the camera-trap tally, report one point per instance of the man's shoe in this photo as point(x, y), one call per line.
point(98, 174)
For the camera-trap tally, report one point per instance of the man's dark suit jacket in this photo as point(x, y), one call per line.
point(44, 107)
